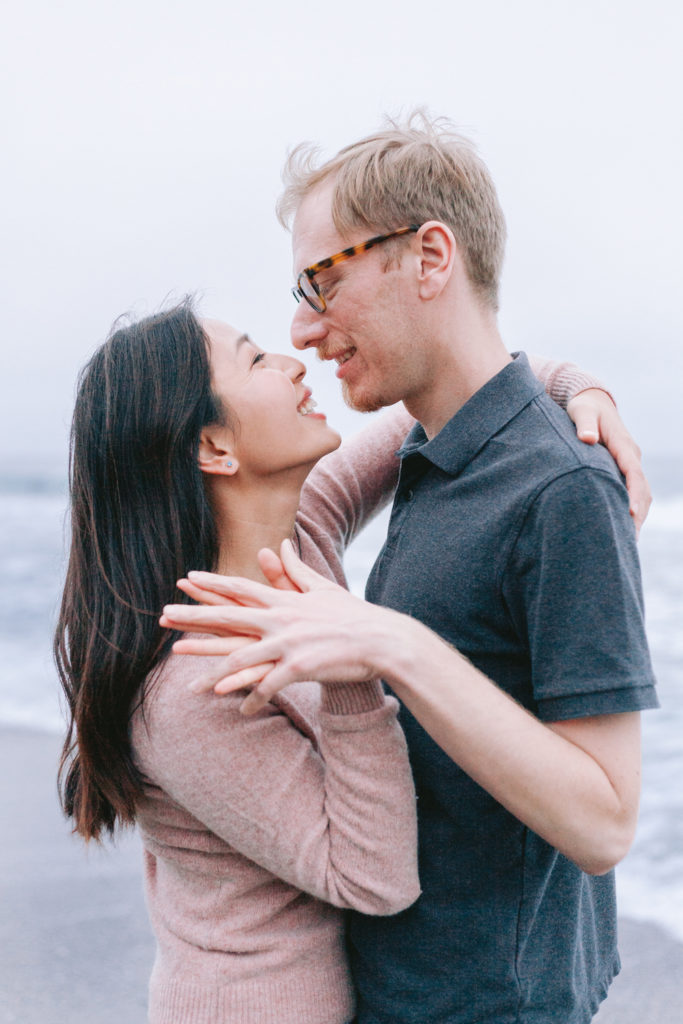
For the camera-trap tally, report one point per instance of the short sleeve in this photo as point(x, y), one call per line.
point(573, 588)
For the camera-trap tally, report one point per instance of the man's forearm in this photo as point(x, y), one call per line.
point(582, 799)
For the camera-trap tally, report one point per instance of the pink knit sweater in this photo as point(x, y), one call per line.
point(257, 831)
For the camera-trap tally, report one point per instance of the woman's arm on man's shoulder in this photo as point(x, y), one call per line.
point(596, 418)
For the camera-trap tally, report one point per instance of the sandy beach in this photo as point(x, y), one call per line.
point(76, 945)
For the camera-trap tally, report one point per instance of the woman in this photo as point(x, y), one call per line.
point(190, 449)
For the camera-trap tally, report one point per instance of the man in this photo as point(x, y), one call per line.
point(506, 610)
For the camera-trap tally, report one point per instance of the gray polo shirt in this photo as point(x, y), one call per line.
point(513, 541)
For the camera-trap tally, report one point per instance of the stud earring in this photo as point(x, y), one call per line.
point(229, 463)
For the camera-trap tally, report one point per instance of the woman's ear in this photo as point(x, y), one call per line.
point(215, 459)
point(437, 254)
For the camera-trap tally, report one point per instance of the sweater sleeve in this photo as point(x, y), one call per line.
point(348, 487)
point(563, 381)
point(324, 802)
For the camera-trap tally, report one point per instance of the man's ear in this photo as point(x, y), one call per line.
point(437, 248)
point(213, 458)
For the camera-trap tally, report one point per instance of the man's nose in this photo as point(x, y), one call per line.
point(308, 327)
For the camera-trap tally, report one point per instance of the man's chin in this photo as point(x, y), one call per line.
point(361, 401)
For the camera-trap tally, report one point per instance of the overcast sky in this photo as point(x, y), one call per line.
point(142, 143)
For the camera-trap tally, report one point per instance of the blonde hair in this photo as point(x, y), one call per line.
point(404, 174)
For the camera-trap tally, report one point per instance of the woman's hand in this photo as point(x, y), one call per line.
point(211, 591)
point(274, 637)
point(596, 419)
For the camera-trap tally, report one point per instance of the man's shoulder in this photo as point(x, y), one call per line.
point(564, 491)
point(542, 441)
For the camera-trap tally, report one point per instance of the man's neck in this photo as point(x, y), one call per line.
point(467, 359)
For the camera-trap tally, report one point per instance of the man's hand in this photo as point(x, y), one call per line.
point(274, 637)
point(596, 419)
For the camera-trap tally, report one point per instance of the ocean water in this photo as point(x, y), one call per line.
point(650, 880)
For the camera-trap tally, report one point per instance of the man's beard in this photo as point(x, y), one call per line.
point(362, 402)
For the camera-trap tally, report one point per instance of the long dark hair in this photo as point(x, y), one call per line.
point(140, 519)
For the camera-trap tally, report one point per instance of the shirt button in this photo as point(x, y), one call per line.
point(410, 494)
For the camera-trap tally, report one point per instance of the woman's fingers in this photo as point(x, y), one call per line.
point(585, 419)
point(241, 591)
point(303, 577)
point(286, 573)
point(274, 571)
point(272, 683)
point(202, 595)
point(247, 677)
point(223, 620)
point(253, 703)
point(596, 419)
point(215, 679)
point(627, 456)
point(212, 646)
point(205, 682)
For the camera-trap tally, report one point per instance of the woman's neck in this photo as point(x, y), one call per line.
point(252, 517)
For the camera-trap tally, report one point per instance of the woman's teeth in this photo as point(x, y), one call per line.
point(307, 406)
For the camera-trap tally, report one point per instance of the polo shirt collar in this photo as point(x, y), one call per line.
point(486, 412)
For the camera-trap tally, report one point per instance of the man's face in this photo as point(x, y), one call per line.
point(368, 325)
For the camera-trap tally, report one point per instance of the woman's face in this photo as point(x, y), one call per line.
point(276, 425)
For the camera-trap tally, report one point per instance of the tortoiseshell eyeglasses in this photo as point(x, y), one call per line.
point(306, 287)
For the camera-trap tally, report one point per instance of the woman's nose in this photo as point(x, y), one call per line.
point(298, 370)
point(290, 365)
